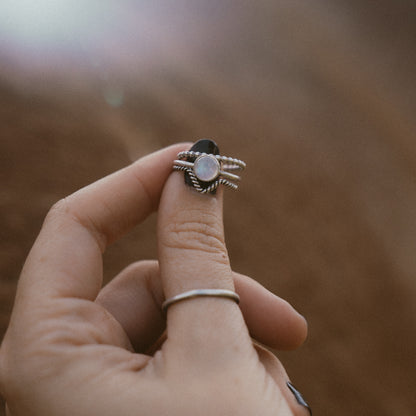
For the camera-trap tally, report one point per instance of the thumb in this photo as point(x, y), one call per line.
point(193, 255)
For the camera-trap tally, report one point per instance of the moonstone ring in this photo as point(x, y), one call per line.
point(205, 169)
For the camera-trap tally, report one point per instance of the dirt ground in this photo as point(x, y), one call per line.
point(317, 97)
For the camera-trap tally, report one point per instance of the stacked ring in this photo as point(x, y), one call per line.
point(206, 171)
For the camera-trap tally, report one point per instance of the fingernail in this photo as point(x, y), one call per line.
point(299, 398)
point(202, 146)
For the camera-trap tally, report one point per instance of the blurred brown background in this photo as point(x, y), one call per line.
point(318, 97)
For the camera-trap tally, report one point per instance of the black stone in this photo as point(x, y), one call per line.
point(202, 146)
point(205, 146)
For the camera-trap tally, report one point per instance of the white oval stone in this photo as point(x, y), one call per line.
point(206, 168)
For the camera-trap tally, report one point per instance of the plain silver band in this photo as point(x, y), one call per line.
point(218, 293)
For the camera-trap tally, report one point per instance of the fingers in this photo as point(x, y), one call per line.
point(192, 255)
point(192, 250)
point(66, 258)
point(135, 297)
point(270, 319)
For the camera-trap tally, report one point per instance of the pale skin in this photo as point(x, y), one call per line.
point(75, 348)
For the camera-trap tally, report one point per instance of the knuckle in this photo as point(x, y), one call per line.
point(59, 215)
point(58, 210)
point(57, 218)
point(66, 212)
point(190, 234)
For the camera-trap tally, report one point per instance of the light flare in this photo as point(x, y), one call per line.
point(56, 24)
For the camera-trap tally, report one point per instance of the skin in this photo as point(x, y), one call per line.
point(75, 348)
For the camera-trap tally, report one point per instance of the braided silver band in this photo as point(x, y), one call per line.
point(231, 163)
point(213, 171)
point(218, 293)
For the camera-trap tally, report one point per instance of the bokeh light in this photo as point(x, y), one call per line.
point(66, 32)
point(45, 24)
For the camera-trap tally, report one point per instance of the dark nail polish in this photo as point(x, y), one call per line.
point(202, 146)
point(298, 396)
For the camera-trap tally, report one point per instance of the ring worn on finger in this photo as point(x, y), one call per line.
point(218, 293)
point(205, 169)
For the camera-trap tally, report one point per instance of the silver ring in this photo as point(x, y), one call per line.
point(218, 293)
point(208, 171)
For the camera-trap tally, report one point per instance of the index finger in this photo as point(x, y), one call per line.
point(66, 259)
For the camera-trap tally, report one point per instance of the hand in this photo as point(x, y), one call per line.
point(73, 348)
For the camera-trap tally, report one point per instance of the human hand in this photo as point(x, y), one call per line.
point(74, 348)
